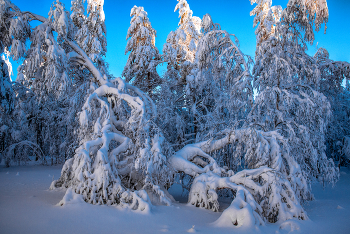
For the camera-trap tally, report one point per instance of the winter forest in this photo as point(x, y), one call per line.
point(217, 123)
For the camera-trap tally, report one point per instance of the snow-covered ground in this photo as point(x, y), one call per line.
point(28, 206)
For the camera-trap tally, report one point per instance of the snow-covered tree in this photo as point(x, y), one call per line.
point(217, 92)
point(7, 95)
point(91, 33)
point(90, 36)
point(334, 74)
point(14, 34)
point(223, 71)
point(144, 57)
point(180, 47)
point(7, 104)
point(120, 150)
point(289, 101)
point(46, 59)
point(179, 54)
point(46, 72)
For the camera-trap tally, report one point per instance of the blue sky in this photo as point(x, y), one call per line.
point(232, 15)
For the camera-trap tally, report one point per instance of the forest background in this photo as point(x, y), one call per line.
point(233, 16)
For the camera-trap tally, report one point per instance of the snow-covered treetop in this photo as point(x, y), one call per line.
point(299, 14)
point(140, 30)
point(208, 25)
point(60, 21)
point(181, 44)
point(96, 6)
point(185, 13)
point(189, 29)
point(304, 14)
point(91, 29)
point(267, 16)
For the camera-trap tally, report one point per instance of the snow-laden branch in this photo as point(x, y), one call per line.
point(35, 16)
point(10, 153)
point(87, 62)
point(274, 179)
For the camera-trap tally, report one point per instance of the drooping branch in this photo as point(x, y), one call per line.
point(88, 63)
point(84, 59)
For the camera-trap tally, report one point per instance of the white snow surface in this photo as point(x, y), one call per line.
point(28, 206)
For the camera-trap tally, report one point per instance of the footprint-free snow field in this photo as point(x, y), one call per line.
point(28, 206)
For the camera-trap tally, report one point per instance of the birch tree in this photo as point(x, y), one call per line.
point(289, 100)
point(121, 152)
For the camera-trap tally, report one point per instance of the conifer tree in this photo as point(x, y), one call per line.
point(179, 53)
point(180, 47)
point(144, 57)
